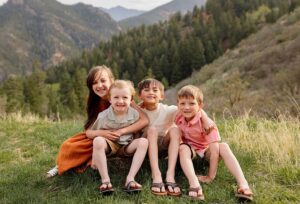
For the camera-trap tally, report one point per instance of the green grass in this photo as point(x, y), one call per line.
point(268, 152)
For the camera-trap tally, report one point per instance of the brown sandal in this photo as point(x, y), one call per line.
point(173, 185)
point(196, 190)
point(244, 194)
point(160, 192)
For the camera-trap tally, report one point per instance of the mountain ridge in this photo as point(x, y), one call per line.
point(119, 13)
point(161, 13)
point(48, 32)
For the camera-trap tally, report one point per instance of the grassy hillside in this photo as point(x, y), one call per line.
point(261, 75)
point(268, 151)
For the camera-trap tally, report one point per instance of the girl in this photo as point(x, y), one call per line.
point(76, 152)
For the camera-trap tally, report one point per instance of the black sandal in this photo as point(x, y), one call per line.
point(132, 189)
point(108, 190)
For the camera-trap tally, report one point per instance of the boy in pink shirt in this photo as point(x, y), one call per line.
point(197, 141)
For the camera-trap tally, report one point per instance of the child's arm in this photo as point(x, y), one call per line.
point(214, 153)
point(138, 125)
point(207, 123)
point(109, 134)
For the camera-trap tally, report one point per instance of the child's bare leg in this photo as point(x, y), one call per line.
point(139, 148)
point(173, 138)
point(99, 158)
point(152, 136)
point(233, 165)
point(212, 155)
point(188, 169)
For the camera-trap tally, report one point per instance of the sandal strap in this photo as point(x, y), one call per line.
point(242, 191)
point(107, 182)
point(196, 189)
point(158, 185)
point(172, 184)
point(128, 186)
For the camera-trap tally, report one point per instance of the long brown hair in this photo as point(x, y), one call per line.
point(94, 101)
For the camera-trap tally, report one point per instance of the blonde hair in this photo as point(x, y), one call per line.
point(120, 84)
point(190, 91)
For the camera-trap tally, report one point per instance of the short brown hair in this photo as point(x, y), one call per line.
point(190, 91)
point(120, 84)
point(147, 82)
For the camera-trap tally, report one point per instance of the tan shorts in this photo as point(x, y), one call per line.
point(117, 149)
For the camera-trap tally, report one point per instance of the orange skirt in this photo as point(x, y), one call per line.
point(76, 152)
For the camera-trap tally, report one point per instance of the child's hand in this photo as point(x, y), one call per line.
point(205, 179)
point(111, 135)
point(118, 132)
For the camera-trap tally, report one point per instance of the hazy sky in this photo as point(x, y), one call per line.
point(134, 4)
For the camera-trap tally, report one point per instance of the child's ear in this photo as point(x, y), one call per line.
point(162, 96)
point(201, 104)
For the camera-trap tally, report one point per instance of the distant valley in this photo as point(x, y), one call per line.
point(43, 33)
point(47, 32)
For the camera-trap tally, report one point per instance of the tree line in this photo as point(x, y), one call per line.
point(169, 51)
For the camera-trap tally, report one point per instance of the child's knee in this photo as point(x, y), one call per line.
point(152, 133)
point(184, 150)
point(99, 143)
point(174, 133)
point(143, 143)
point(214, 149)
point(224, 146)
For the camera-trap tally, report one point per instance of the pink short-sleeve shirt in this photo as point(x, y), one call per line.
point(193, 133)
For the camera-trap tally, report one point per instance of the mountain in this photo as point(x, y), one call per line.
point(161, 13)
point(47, 32)
point(261, 76)
point(119, 13)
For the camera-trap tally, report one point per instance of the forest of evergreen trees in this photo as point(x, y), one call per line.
point(169, 51)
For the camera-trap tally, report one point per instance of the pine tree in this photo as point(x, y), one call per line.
point(13, 88)
point(140, 72)
point(80, 88)
point(67, 95)
point(34, 92)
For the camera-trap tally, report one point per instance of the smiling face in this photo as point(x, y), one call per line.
point(120, 99)
point(101, 84)
point(188, 107)
point(151, 95)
